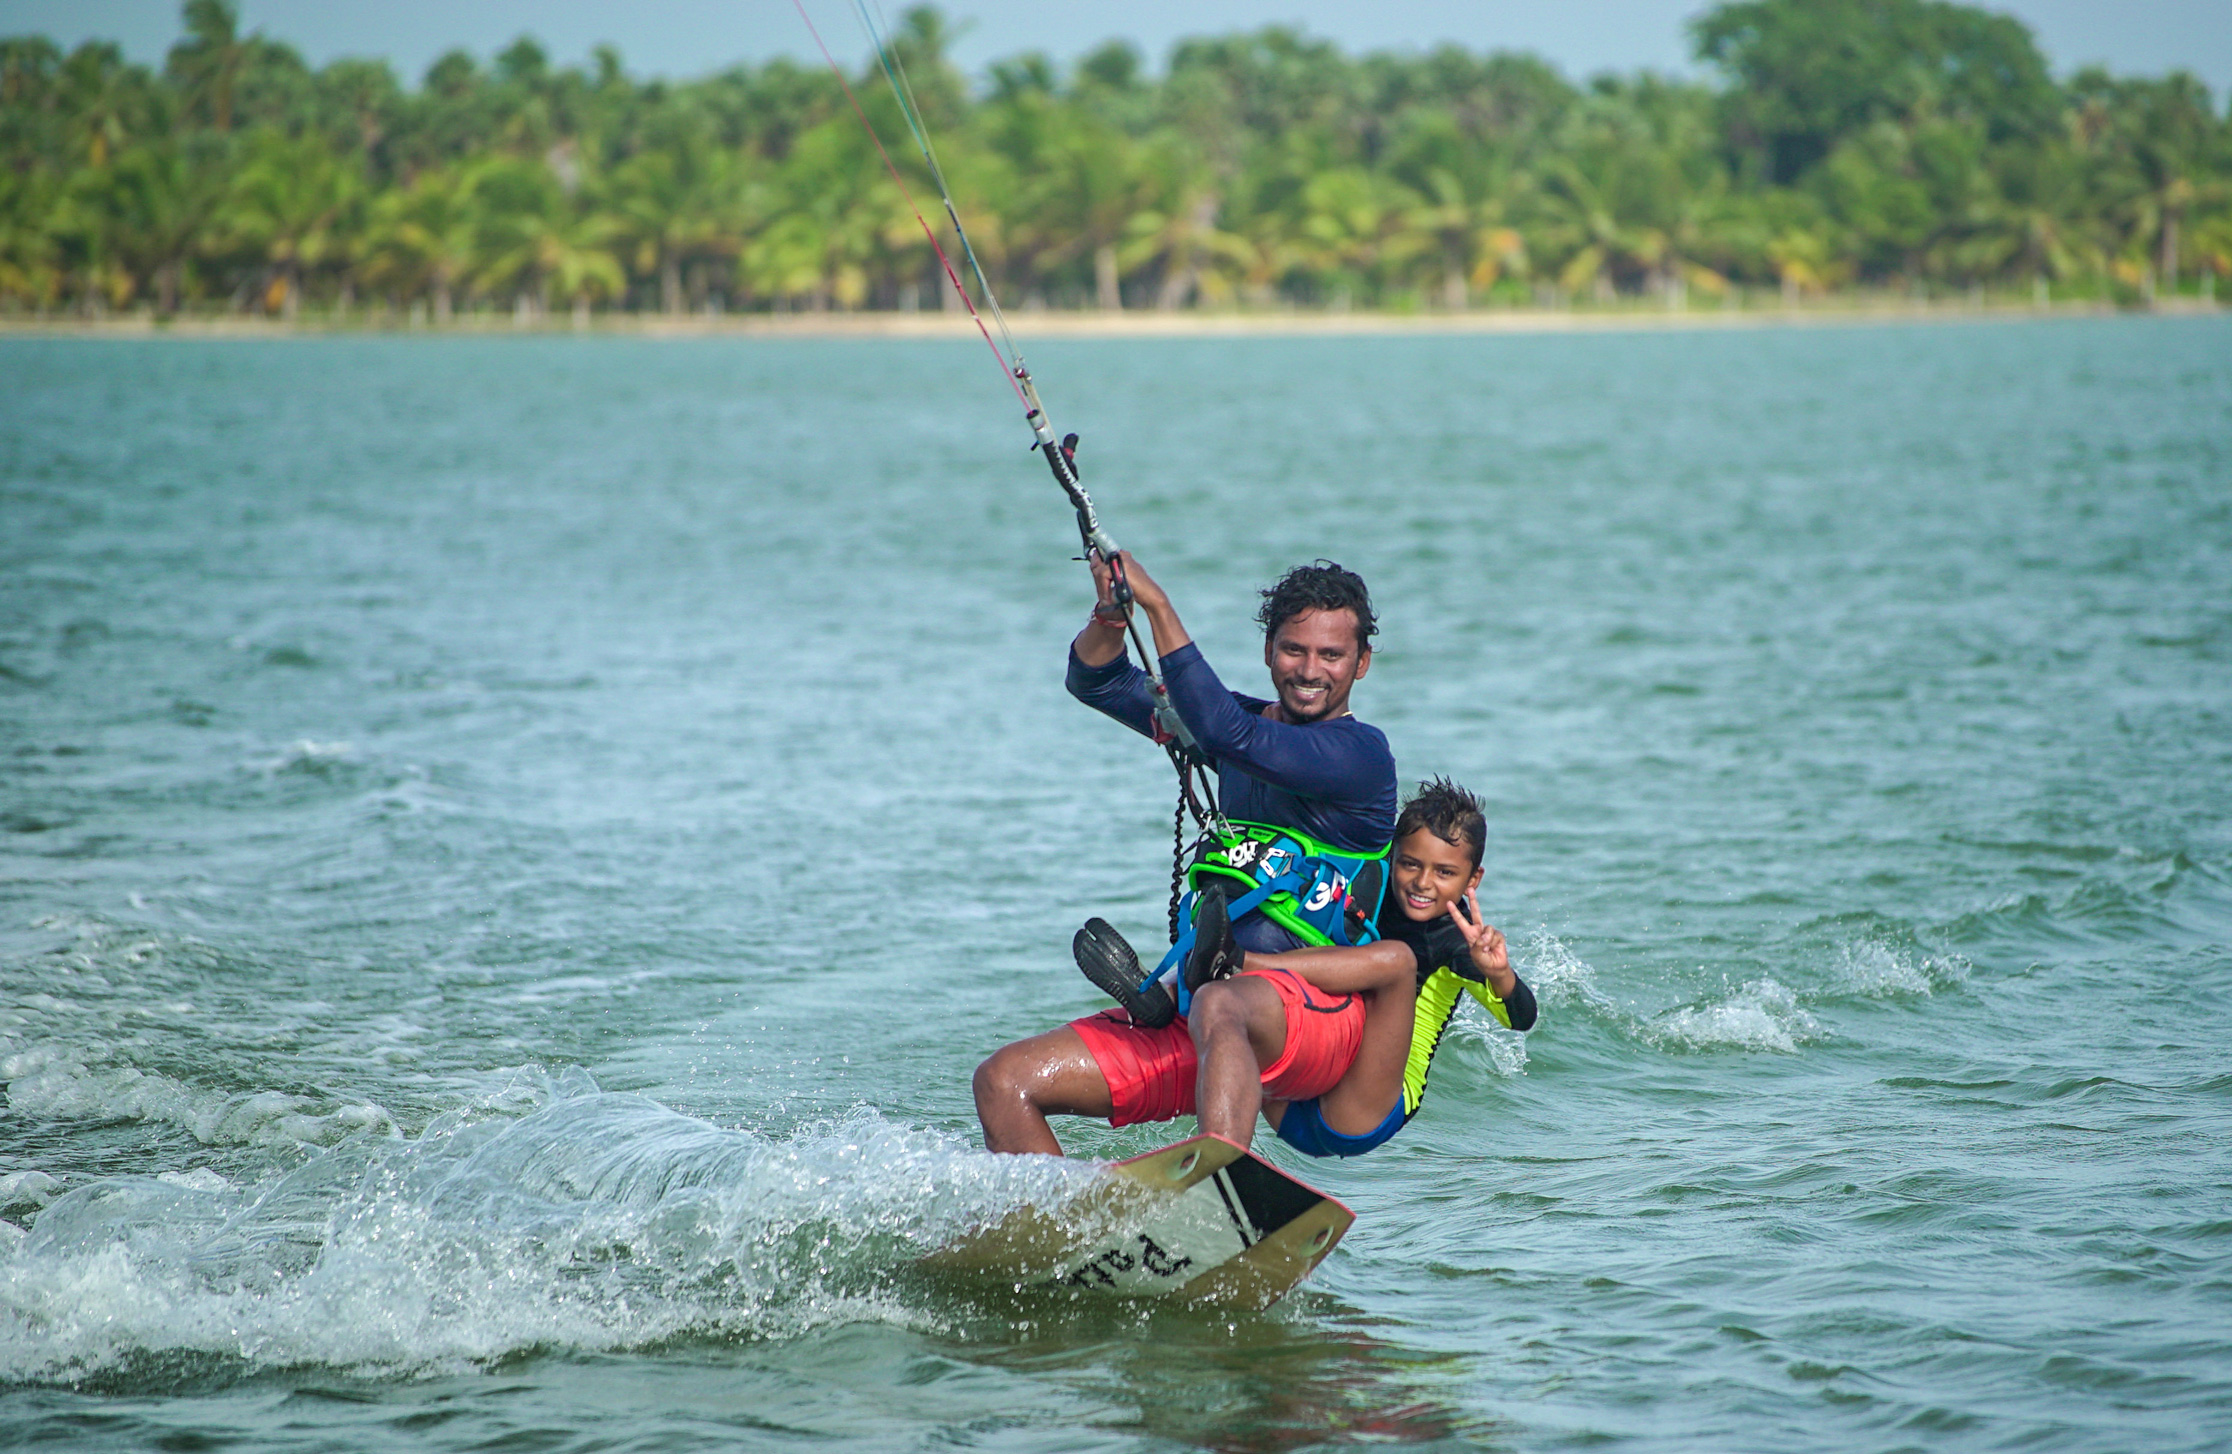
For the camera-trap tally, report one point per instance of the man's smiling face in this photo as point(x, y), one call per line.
point(1315, 659)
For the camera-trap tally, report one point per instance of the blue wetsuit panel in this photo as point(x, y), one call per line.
point(1303, 1127)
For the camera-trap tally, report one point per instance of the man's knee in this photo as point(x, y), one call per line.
point(1037, 1071)
point(1002, 1076)
point(1218, 1008)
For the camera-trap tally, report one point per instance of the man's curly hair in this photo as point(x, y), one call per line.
point(1449, 813)
point(1321, 585)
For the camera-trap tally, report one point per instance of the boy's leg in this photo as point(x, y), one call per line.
point(1214, 1065)
point(1268, 1035)
point(1386, 974)
point(1374, 1083)
point(1345, 969)
point(1020, 1085)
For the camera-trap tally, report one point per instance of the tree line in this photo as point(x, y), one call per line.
point(1911, 145)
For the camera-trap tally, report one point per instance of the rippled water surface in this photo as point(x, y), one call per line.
point(512, 849)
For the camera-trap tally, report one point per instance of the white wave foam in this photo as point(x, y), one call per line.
point(1760, 1015)
point(1558, 976)
point(1507, 1049)
point(27, 1189)
point(307, 755)
point(596, 1222)
point(56, 1083)
point(88, 1007)
point(1883, 971)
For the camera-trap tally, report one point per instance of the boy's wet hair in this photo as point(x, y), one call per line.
point(1321, 585)
point(1449, 813)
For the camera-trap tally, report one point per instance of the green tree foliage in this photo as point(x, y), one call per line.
point(1808, 73)
point(1895, 144)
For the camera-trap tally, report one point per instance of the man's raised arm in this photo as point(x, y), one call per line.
point(1100, 674)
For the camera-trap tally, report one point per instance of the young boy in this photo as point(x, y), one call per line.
point(1434, 945)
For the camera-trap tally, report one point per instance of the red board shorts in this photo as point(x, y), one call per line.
point(1150, 1073)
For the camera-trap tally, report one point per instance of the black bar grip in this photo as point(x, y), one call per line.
point(1063, 462)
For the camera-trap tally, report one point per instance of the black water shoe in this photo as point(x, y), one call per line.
point(1215, 954)
point(1114, 970)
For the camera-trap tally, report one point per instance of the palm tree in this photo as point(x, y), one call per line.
point(421, 239)
point(1357, 230)
point(28, 263)
point(1471, 244)
point(1177, 234)
point(284, 207)
point(161, 196)
point(1578, 218)
point(1470, 186)
point(1804, 261)
point(1878, 202)
point(791, 258)
point(2212, 247)
point(838, 226)
point(100, 92)
point(2157, 150)
point(211, 57)
point(1258, 162)
point(31, 128)
point(2035, 222)
point(1196, 257)
point(1081, 180)
point(533, 240)
point(83, 226)
point(673, 204)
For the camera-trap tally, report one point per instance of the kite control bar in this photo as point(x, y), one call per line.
point(1170, 728)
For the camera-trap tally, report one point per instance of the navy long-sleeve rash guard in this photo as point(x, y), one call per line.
point(1334, 780)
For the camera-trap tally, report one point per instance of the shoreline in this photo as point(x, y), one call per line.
point(1052, 324)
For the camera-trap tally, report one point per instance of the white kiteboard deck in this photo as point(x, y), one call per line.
point(1201, 1220)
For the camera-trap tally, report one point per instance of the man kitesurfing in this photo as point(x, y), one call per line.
point(1279, 993)
point(1330, 1039)
point(1299, 770)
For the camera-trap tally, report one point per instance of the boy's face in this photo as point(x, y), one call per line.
point(1427, 874)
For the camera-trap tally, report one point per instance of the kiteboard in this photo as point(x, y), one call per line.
point(1199, 1221)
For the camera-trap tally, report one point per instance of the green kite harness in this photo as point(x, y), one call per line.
point(1318, 893)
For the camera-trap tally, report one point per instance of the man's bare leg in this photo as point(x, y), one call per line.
point(1238, 1027)
point(1020, 1085)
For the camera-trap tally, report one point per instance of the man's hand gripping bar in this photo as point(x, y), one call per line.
point(1062, 459)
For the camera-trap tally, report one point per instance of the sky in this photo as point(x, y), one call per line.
point(683, 38)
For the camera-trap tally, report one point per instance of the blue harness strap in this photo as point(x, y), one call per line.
point(1311, 880)
point(1177, 956)
point(1286, 883)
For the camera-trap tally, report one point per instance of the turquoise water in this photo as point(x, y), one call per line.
point(513, 848)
